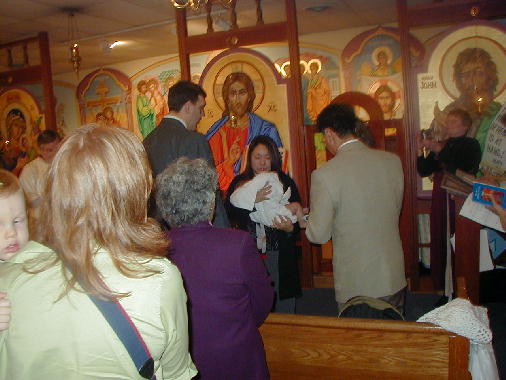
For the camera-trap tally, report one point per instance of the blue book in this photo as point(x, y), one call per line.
point(483, 193)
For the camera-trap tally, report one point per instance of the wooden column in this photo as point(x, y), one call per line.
point(298, 153)
point(297, 128)
point(182, 36)
point(408, 222)
point(47, 81)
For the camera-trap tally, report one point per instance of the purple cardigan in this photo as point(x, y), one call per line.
point(229, 297)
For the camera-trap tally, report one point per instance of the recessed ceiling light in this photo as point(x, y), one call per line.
point(108, 46)
point(116, 43)
point(317, 8)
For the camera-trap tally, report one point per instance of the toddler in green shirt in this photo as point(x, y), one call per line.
point(13, 230)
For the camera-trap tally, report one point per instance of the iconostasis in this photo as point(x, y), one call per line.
point(134, 96)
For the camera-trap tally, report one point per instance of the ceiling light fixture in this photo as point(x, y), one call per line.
point(107, 46)
point(318, 8)
point(195, 5)
point(116, 43)
point(73, 36)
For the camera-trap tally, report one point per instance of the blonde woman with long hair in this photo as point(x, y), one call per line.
point(102, 244)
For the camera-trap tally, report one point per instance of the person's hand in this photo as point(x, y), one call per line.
point(263, 193)
point(489, 180)
point(302, 217)
point(428, 143)
point(466, 176)
point(234, 152)
point(433, 145)
point(5, 311)
point(497, 208)
point(294, 207)
point(421, 143)
point(282, 223)
point(299, 212)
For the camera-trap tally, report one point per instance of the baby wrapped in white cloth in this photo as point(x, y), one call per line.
point(265, 211)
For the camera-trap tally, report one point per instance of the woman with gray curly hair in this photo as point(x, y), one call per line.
point(186, 192)
point(229, 291)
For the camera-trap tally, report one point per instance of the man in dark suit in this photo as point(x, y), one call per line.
point(176, 136)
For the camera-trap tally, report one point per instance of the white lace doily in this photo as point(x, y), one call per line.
point(463, 318)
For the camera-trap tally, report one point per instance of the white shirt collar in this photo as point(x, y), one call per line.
point(177, 118)
point(346, 143)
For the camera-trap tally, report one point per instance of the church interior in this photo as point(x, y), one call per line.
point(65, 63)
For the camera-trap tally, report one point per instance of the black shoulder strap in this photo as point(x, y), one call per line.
point(126, 331)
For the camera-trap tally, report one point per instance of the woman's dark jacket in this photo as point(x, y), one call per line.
point(277, 240)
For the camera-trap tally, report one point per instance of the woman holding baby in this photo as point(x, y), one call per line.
point(274, 231)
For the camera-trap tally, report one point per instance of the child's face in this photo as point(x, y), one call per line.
point(13, 225)
point(48, 151)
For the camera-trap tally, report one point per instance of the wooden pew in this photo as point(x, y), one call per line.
point(302, 347)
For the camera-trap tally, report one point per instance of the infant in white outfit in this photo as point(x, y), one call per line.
point(265, 211)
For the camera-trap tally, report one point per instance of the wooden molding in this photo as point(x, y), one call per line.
point(251, 35)
point(454, 11)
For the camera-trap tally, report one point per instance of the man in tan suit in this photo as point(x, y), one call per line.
point(356, 200)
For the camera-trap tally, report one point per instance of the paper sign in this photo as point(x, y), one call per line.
point(493, 160)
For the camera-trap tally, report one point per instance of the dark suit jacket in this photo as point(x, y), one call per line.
point(170, 141)
point(229, 297)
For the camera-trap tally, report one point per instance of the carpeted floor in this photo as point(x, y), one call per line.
point(320, 301)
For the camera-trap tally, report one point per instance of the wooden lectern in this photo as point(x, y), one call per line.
point(467, 252)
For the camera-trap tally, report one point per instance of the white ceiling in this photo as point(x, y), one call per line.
point(148, 26)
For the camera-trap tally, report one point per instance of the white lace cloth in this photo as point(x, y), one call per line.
point(463, 318)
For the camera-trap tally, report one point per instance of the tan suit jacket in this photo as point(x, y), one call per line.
point(356, 200)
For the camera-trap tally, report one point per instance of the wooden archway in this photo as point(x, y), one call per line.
point(371, 106)
point(355, 98)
